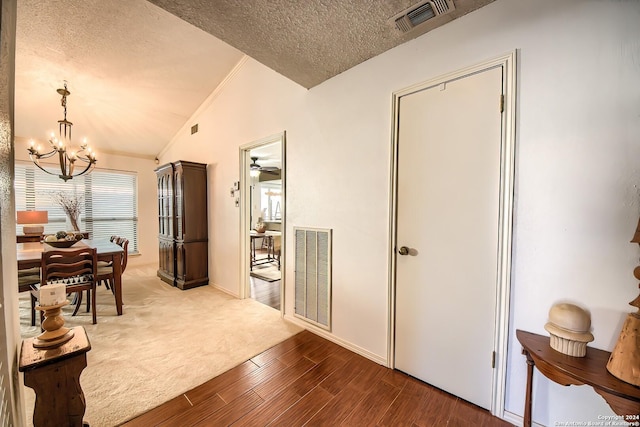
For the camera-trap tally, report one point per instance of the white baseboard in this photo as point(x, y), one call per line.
point(329, 336)
point(517, 420)
point(226, 291)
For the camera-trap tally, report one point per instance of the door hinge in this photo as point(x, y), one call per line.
point(502, 103)
point(493, 359)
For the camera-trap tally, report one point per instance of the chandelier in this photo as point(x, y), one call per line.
point(61, 145)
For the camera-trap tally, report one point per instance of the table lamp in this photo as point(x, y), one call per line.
point(35, 219)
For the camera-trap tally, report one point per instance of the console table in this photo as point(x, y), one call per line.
point(591, 370)
point(54, 375)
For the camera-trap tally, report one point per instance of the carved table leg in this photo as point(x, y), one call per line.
point(527, 401)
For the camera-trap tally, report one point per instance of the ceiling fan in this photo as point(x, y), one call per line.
point(254, 166)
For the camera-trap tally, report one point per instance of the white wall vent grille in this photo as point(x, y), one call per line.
point(421, 12)
point(313, 275)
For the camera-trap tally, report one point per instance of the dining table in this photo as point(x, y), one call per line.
point(30, 254)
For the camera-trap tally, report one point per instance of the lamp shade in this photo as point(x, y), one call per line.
point(32, 217)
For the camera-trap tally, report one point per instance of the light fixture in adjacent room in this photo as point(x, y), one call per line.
point(33, 221)
point(61, 145)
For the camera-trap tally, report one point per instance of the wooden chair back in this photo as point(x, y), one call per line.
point(70, 265)
point(76, 268)
point(124, 244)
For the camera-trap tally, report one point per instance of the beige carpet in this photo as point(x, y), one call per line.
point(166, 342)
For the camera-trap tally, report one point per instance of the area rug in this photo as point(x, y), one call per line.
point(267, 272)
point(166, 342)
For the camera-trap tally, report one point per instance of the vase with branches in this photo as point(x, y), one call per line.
point(71, 203)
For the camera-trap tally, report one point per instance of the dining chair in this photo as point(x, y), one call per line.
point(277, 249)
point(107, 263)
point(105, 272)
point(26, 278)
point(275, 246)
point(76, 268)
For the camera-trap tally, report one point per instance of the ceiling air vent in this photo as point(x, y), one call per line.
point(422, 12)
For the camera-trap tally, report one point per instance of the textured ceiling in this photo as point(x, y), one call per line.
point(137, 70)
point(308, 41)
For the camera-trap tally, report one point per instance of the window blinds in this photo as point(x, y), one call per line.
point(110, 201)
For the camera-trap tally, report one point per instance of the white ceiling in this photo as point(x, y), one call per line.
point(137, 72)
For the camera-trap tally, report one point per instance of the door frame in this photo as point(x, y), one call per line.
point(506, 205)
point(245, 217)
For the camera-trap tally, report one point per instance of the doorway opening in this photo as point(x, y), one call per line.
point(262, 220)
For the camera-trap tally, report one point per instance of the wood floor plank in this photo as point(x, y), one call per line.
point(368, 374)
point(395, 378)
point(278, 382)
point(231, 412)
point(317, 374)
point(194, 414)
point(462, 411)
point(302, 350)
point(251, 380)
point(374, 405)
point(341, 377)
point(161, 413)
point(269, 410)
point(402, 411)
point(213, 386)
point(337, 409)
point(304, 409)
point(435, 408)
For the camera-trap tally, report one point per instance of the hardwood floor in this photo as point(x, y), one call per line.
point(307, 380)
point(263, 291)
point(267, 293)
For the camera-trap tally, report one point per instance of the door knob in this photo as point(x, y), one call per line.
point(403, 250)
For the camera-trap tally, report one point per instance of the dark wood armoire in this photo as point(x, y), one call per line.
point(182, 224)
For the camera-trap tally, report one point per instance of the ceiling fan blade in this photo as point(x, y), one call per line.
point(271, 171)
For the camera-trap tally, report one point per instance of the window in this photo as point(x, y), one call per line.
point(270, 198)
point(110, 201)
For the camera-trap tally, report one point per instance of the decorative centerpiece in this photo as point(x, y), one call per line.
point(568, 327)
point(62, 239)
point(624, 362)
point(71, 204)
point(260, 226)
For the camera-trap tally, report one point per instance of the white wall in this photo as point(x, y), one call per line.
point(147, 197)
point(578, 146)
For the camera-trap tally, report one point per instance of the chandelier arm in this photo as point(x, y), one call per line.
point(86, 159)
point(89, 167)
point(42, 156)
point(37, 163)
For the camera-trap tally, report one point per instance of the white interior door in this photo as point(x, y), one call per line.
point(448, 195)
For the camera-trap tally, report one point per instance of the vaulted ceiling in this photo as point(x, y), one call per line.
point(137, 70)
